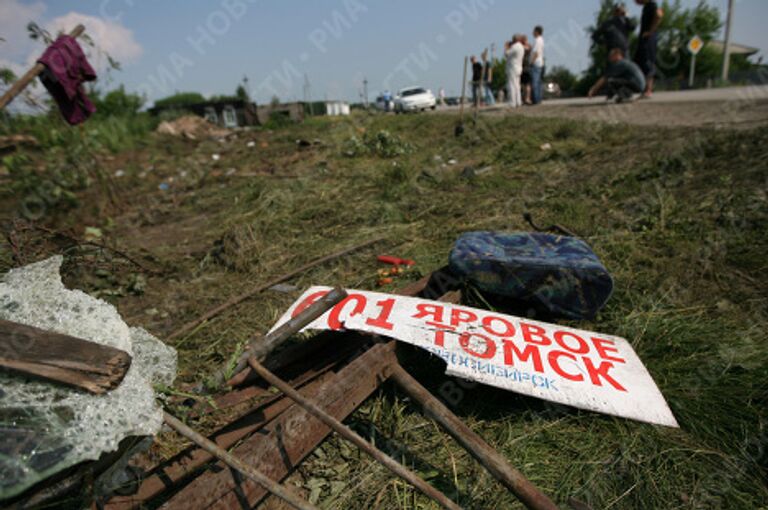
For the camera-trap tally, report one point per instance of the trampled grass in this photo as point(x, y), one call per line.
point(679, 217)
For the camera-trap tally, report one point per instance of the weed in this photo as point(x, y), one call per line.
point(382, 144)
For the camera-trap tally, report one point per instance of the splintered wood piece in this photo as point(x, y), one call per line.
point(287, 495)
point(61, 358)
point(278, 448)
point(347, 433)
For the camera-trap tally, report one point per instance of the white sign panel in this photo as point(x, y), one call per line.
point(695, 45)
point(570, 366)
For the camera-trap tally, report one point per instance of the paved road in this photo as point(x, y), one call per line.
point(731, 107)
point(757, 92)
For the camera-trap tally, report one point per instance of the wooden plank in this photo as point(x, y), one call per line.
point(350, 435)
point(307, 361)
point(262, 346)
point(174, 472)
point(284, 443)
point(61, 358)
point(290, 496)
point(186, 464)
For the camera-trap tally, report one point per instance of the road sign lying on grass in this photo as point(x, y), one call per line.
point(569, 366)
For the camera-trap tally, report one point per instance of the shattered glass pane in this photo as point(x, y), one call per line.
point(47, 427)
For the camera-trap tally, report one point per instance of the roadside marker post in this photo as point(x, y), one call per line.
point(694, 47)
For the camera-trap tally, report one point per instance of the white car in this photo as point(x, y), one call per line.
point(414, 99)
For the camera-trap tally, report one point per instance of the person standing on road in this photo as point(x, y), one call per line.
point(441, 96)
point(615, 31)
point(514, 52)
point(537, 64)
point(487, 80)
point(525, 78)
point(477, 79)
point(645, 56)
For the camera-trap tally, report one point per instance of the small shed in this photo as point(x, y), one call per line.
point(292, 111)
point(336, 108)
point(225, 113)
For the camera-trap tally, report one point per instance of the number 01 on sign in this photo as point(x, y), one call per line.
point(565, 365)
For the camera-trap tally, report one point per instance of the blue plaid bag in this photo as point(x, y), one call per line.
point(560, 274)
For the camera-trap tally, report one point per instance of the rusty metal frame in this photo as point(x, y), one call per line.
point(276, 435)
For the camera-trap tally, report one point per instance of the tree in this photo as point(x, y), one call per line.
point(563, 77)
point(673, 61)
point(677, 28)
point(242, 93)
point(117, 102)
point(598, 55)
point(7, 76)
point(499, 79)
point(181, 99)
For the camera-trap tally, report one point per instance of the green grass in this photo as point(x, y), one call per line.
point(679, 217)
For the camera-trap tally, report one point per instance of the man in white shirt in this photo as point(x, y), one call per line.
point(537, 64)
point(514, 51)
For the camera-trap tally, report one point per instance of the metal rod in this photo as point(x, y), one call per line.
point(18, 87)
point(692, 73)
point(272, 486)
point(268, 343)
point(350, 435)
point(492, 460)
point(463, 90)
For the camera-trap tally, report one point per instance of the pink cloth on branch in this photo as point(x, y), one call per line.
point(66, 71)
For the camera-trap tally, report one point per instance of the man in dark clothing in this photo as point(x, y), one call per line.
point(645, 56)
point(614, 32)
point(622, 78)
point(477, 79)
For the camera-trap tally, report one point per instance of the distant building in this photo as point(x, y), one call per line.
point(336, 108)
point(238, 113)
point(735, 49)
point(225, 113)
point(292, 111)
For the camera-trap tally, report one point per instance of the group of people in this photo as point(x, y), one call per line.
point(525, 72)
point(524, 61)
point(624, 78)
point(525, 68)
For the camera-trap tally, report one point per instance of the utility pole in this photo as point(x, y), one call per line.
point(727, 44)
point(308, 94)
point(245, 86)
point(365, 93)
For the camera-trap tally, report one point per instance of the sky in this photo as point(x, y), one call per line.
point(321, 49)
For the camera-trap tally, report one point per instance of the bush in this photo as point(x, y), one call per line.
point(383, 144)
point(117, 102)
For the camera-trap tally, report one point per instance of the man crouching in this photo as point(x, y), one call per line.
point(622, 79)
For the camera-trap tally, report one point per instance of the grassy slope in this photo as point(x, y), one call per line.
point(678, 216)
